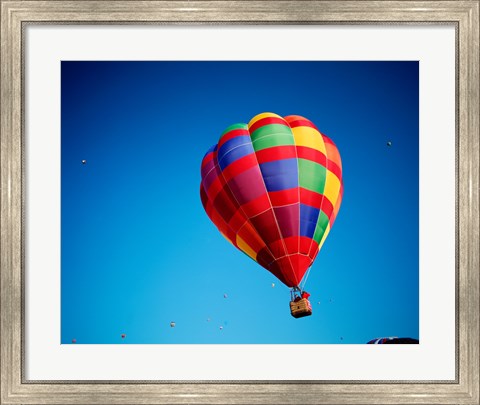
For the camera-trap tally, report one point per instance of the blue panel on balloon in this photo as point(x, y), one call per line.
point(280, 174)
point(308, 220)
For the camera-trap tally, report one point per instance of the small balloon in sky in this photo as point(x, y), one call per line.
point(84, 162)
point(221, 327)
point(318, 302)
point(74, 340)
point(124, 336)
point(273, 285)
point(208, 319)
point(389, 143)
point(225, 296)
point(172, 324)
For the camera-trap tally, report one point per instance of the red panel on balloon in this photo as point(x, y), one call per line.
point(278, 248)
point(257, 206)
point(247, 186)
point(311, 154)
point(267, 121)
point(276, 153)
point(310, 198)
point(306, 245)
point(267, 228)
point(251, 238)
point(225, 204)
point(327, 207)
point(237, 221)
point(288, 218)
point(291, 244)
point(284, 197)
point(239, 166)
point(283, 267)
point(232, 134)
point(297, 121)
point(264, 257)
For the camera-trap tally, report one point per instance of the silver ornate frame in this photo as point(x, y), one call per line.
point(15, 389)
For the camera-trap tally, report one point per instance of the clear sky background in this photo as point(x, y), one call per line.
point(139, 252)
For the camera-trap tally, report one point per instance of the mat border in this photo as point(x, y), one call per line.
point(16, 15)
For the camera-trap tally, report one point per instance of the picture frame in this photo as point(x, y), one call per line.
point(16, 15)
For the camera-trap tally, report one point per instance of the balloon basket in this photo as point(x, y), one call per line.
point(300, 308)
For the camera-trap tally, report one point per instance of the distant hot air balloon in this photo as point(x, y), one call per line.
point(273, 188)
point(393, 340)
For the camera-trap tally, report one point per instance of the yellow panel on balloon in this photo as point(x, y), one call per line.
point(332, 187)
point(309, 137)
point(263, 115)
point(324, 237)
point(246, 248)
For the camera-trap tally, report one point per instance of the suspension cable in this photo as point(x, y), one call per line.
point(305, 278)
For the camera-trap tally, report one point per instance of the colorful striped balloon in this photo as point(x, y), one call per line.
point(273, 189)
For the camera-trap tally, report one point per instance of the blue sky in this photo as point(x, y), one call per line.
point(138, 250)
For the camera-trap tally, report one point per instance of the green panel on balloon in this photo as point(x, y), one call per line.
point(273, 140)
point(235, 126)
point(312, 175)
point(272, 135)
point(271, 129)
point(322, 224)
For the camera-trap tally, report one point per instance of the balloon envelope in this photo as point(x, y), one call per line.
point(273, 188)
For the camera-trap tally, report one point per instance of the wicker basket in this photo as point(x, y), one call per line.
point(300, 308)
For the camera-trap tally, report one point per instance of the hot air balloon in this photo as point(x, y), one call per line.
point(273, 188)
point(393, 340)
